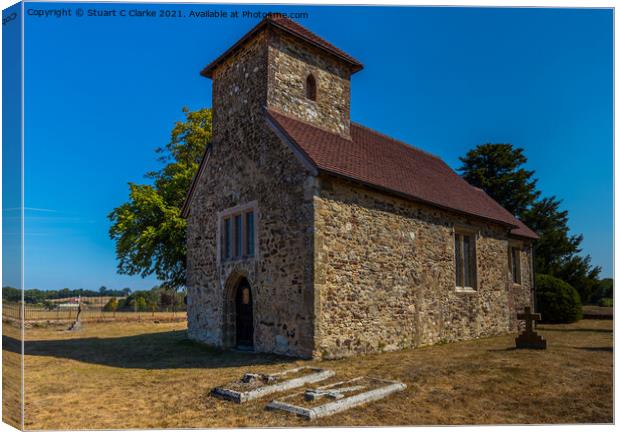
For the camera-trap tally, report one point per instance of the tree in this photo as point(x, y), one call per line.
point(49, 305)
point(604, 290)
point(498, 170)
point(166, 299)
point(148, 229)
point(557, 250)
point(151, 298)
point(11, 294)
point(111, 305)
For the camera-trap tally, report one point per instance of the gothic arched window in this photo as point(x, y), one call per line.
point(311, 87)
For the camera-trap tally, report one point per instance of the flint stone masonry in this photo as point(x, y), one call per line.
point(385, 274)
point(254, 386)
point(290, 64)
point(339, 268)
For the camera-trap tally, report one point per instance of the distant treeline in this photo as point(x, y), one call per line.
point(40, 296)
point(157, 298)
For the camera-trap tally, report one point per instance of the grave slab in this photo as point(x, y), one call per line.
point(256, 385)
point(337, 397)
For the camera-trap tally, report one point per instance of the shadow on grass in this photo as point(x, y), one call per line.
point(601, 349)
point(502, 349)
point(574, 330)
point(163, 350)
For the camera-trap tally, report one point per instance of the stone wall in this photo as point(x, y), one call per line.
point(291, 61)
point(249, 163)
point(385, 274)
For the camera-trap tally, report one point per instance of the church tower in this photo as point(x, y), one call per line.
point(281, 66)
point(250, 211)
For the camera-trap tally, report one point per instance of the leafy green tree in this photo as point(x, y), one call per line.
point(111, 305)
point(152, 298)
point(498, 170)
point(141, 304)
point(148, 229)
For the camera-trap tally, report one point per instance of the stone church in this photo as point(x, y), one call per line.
point(311, 235)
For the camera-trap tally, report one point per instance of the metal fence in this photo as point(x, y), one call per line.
point(30, 312)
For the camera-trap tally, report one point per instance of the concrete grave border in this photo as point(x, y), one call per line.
point(244, 396)
point(339, 404)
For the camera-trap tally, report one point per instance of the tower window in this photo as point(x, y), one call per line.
point(311, 87)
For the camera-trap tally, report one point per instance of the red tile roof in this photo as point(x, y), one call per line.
point(385, 163)
point(292, 28)
point(523, 230)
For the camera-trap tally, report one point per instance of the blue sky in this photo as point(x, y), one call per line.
point(103, 93)
point(11, 139)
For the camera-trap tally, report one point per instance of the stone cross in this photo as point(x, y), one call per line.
point(529, 338)
point(529, 318)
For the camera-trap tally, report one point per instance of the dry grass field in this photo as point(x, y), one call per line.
point(11, 375)
point(146, 375)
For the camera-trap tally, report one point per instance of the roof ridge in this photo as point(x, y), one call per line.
point(322, 42)
point(293, 28)
point(397, 141)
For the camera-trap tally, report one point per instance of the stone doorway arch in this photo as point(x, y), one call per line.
point(239, 300)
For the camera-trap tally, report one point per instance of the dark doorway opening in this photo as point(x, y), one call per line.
point(244, 316)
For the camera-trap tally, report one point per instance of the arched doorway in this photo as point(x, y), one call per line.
point(244, 316)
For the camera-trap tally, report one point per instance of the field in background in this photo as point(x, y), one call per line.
point(598, 312)
point(90, 312)
point(11, 375)
point(145, 375)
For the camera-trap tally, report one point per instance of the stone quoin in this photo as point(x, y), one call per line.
point(310, 235)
